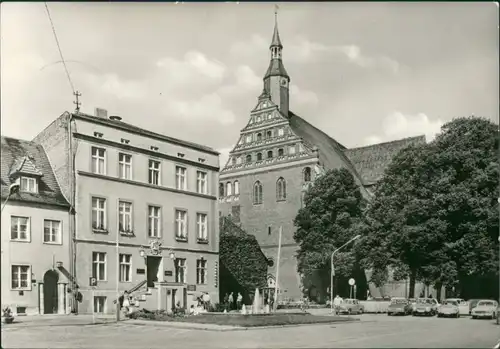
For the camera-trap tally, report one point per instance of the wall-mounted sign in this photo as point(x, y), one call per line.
point(169, 273)
point(191, 288)
point(141, 271)
point(92, 281)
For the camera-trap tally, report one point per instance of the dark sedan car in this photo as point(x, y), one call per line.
point(399, 306)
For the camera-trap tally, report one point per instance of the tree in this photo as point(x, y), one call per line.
point(331, 216)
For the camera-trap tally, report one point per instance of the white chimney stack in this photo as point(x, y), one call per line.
point(102, 113)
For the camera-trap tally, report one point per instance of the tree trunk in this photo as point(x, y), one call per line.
point(413, 276)
point(438, 287)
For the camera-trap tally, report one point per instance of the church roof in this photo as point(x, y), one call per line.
point(276, 68)
point(15, 153)
point(371, 161)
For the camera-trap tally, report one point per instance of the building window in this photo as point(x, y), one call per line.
point(52, 231)
point(291, 150)
point(181, 224)
point(201, 271)
point(180, 270)
point(248, 139)
point(221, 190)
point(259, 119)
point(307, 174)
point(124, 217)
point(201, 227)
point(269, 134)
point(125, 165)
point(269, 230)
point(269, 116)
point(99, 213)
point(99, 304)
point(281, 189)
point(19, 228)
point(154, 220)
point(257, 193)
point(259, 137)
point(180, 178)
point(236, 188)
point(154, 172)
point(259, 156)
point(98, 160)
point(281, 152)
point(233, 161)
point(28, 184)
point(21, 277)
point(99, 266)
point(229, 189)
point(125, 267)
point(238, 160)
point(281, 132)
point(248, 158)
point(270, 154)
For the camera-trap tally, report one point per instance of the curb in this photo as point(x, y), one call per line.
point(234, 328)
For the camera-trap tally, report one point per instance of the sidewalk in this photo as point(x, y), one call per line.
point(60, 320)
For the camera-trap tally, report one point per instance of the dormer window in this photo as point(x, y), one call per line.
point(29, 184)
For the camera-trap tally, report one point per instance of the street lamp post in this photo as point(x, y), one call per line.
point(333, 269)
point(12, 190)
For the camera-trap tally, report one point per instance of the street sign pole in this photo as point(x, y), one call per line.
point(352, 282)
point(93, 304)
point(93, 285)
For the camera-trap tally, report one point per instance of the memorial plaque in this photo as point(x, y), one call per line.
point(141, 271)
point(169, 273)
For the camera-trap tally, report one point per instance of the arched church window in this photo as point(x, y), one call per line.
point(259, 156)
point(307, 174)
point(229, 188)
point(236, 188)
point(259, 137)
point(269, 134)
point(280, 189)
point(221, 190)
point(270, 154)
point(248, 158)
point(281, 132)
point(233, 161)
point(257, 193)
point(281, 152)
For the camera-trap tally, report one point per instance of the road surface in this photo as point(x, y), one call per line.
point(373, 331)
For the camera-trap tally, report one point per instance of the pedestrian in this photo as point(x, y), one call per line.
point(239, 300)
point(125, 304)
point(226, 301)
point(206, 301)
point(336, 303)
point(231, 301)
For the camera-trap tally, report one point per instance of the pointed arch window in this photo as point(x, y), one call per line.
point(233, 161)
point(270, 154)
point(236, 188)
point(280, 189)
point(221, 190)
point(281, 152)
point(248, 158)
point(307, 174)
point(259, 137)
point(269, 134)
point(257, 193)
point(229, 188)
point(259, 156)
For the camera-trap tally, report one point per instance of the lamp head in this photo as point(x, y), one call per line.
point(172, 255)
point(142, 253)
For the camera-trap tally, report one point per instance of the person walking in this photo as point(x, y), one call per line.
point(231, 301)
point(239, 300)
point(336, 304)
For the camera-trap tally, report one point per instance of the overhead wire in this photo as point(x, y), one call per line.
point(59, 48)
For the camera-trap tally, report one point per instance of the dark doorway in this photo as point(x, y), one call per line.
point(153, 266)
point(50, 280)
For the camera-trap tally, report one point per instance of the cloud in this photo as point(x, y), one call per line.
point(301, 50)
point(208, 107)
point(398, 125)
point(300, 96)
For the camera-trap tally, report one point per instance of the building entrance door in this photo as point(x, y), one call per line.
point(153, 269)
point(50, 299)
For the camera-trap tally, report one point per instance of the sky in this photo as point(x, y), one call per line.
point(362, 72)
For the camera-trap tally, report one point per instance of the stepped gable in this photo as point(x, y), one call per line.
point(372, 160)
point(30, 158)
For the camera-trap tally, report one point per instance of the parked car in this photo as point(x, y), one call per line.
point(472, 304)
point(463, 306)
point(426, 306)
point(351, 306)
point(399, 306)
point(413, 302)
point(485, 309)
point(449, 308)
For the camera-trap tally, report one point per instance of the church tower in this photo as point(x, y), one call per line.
point(276, 80)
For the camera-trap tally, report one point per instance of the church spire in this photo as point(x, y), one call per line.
point(276, 42)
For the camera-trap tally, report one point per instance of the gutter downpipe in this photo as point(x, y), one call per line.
point(72, 180)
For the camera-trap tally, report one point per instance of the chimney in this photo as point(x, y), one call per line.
point(102, 113)
point(115, 118)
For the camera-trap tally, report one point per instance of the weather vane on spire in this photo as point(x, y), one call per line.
point(276, 8)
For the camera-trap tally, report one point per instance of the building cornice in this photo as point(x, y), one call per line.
point(143, 151)
point(313, 160)
point(142, 184)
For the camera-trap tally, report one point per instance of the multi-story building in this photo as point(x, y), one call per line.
point(276, 158)
point(35, 232)
point(146, 210)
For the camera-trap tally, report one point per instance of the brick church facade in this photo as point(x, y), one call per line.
point(277, 156)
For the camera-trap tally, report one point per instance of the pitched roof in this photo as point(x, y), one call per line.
point(372, 160)
point(131, 128)
point(276, 68)
point(14, 152)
